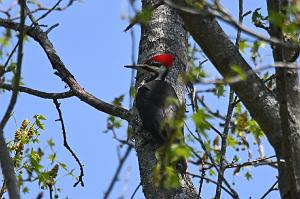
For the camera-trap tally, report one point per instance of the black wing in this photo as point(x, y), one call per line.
point(153, 110)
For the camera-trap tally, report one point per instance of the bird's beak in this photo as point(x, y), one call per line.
point(144, 68)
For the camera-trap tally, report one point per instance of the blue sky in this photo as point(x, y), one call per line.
point(94, 48)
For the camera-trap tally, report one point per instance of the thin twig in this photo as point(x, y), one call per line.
point(38, 93)
point(224, 144)
point(233, 193)
point(49, 11)
point(229, 115)
point(8, 169)
point(227, 18)
point(50, 191)
point(6, 162)
point(135, 191)
point(212, 181)
point(207, 108)
point(255, 163)
point(116, 176)
point(40, 195)
point(201, 181)
point(3, 188)
point(80, 177)
point(42, 38)
point(133, 60)
point(17, 76)
point(10, 55)
point(269, 190)
point(41, 8)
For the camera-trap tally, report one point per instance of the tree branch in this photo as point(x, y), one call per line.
point(224, 16)
point(117, 173)
point(260, 102)
point(38, 93)
point(80, 178)
point(210, 180)
point(60, 70)
point(224, 144)
point(233, 193)
point(6, 162)
point(163, 33)
point(287, 85)
point(272, 188)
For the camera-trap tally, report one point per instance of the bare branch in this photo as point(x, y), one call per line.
point(257, 98)
point(80, 177)
point(233, 193)
point(8, 169)
point(224, 144)
point(49, 11)
point(201, 181)
point(228, 116)
point(17, 77)
point(272, 188)
point(212, 181)
point(255, 163)
point(42, 8)
point(6, 162)
point(38, 93)
point(117, 173)
point(137, 188)
point(226, 17)
point(42, 38)
point(10, 55)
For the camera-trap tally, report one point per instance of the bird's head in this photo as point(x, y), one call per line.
point(157, 66)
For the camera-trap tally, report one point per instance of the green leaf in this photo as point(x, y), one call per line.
point(41, 117)
point(132, 91)
point(243, 45)
point(248, 176)
point(172, 178)
point(255, 48)
point(200, 118)
point(180, 150)
point(63, 165)
point(11, 67)
point(277, 18)
point(253, 127)
point(25, 190)
point(220, 90)
point(118, 100)
point(239, 71)
point(194, 74)
point(51, 142)
point(212, 172)
point(113, 122)
point(231, 141)
point(172, 101)
point(52, 157)
point(257, 18)
point(39, 124)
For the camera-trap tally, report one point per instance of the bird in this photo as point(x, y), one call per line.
point(153, 103)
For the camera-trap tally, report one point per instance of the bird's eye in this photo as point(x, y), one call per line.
point(154, 63)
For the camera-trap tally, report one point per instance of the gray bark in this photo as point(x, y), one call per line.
point(260, 102)
point(258, 99)
point(287, 83)
point(164, 33)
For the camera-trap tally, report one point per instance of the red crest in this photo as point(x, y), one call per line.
point(165, 59)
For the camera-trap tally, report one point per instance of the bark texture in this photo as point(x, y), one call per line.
point(164, 33)
point(287, 83)
point(262, 104)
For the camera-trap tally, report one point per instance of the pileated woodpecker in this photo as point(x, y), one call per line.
point(152, 102)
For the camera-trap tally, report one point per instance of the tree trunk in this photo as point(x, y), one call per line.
point(164, 33)
point(278, 119)
point(287, 84)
